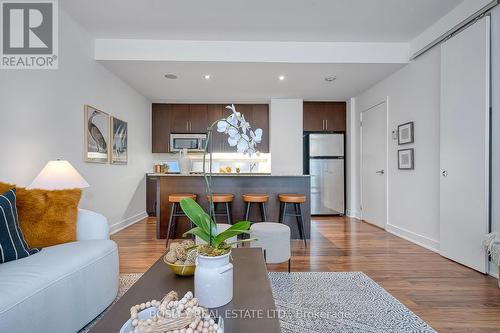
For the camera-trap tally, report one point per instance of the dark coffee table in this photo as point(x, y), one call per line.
point(251, 310)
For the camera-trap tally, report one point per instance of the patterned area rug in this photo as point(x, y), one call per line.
point(339, 302)
point(348, 302)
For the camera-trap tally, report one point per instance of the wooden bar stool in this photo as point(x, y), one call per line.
point(225, 199)
point(257, 198)
point(296, 200)
point(175, 199)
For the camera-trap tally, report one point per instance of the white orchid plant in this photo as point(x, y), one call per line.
point(241, 136)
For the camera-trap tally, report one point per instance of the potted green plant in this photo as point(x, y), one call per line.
point(214, 273)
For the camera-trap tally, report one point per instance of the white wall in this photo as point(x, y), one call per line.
point(352, 202)
point(495, 119)
point(413, 94)
point(286, 130)
point(42, 119)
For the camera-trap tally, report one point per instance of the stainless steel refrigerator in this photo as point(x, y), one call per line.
point(325, 163)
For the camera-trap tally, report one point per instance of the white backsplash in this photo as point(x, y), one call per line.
point(262, 162)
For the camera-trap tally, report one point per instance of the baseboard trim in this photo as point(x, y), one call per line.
point(114, 228)
point(428, 243)
point(493, 269)
point(353, 214)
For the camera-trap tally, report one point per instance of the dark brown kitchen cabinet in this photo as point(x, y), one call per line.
point(324, 116)
point(198, 121)
point(180, 117)
point(160, 128)
point(151, 184)
point(214, 113)
point(195, 118)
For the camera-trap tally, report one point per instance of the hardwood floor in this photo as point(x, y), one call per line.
point(450, 297)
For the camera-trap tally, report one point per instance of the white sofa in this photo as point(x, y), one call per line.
point(63, 287)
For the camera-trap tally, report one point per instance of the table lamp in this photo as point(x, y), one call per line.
point(58, 175)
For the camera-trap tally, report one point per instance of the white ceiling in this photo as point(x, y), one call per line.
point(276, 20)
point(247, 82)
point(255, 20)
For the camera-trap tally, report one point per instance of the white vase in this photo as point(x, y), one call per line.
point(213, 280)
point(184, 162)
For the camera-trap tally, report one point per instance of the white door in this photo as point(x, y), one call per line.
point(373, 165)
point(464, 128)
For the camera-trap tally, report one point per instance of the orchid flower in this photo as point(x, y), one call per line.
point(233, 140)
point(257, 135)
point(236, 127)
point(244, 125)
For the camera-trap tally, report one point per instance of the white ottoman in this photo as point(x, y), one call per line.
point(274, 238)
point(220, 228)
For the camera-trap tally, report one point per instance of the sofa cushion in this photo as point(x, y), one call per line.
point(12, 243)
point(73, 281)
point(47, 217)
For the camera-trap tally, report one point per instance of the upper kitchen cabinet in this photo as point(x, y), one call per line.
point(325, 116)
point(180, 117)
point(195, 118)
point(161, 114)
point(214, 113)
point(198, 119)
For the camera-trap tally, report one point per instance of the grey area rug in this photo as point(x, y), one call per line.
point(339, 302)
point(347, 302)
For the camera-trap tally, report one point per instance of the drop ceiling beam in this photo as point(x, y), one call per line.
point(242, 51)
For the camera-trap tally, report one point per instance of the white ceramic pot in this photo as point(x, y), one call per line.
point(213, 280)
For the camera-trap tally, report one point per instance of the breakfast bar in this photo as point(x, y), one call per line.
point(236, 184)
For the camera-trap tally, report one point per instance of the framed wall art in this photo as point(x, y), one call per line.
point(406, 159)
point(96, 127)
point(119, 141)
point(405, 133)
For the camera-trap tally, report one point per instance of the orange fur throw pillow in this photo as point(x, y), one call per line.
point(46, 217)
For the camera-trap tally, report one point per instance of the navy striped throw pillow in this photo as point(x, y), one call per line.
point(13, 246)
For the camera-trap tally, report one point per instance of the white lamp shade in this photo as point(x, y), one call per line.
point(58, 175)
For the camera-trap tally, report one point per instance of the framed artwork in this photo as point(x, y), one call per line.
point(96, 147)
point(119, 141)
point(405, 133)
point(406, 159)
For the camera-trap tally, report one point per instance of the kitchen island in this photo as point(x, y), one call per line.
point(236, 184)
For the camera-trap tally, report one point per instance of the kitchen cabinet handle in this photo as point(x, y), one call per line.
point(323, 124)
point(326, 124)
point(190, 126)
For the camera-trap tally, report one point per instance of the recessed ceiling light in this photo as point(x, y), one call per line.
point(281, 77)
point(171, 76)
point(207, 77)
point(330, 78)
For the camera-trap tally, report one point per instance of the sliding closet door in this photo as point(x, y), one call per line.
point(464, 124)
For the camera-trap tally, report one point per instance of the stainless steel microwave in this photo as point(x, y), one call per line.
point(191, 142)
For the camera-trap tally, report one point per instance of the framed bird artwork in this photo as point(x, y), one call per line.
point(97, 134)
point(119, 141)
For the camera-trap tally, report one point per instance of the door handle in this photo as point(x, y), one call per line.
point(380, 172)
point(444, 173)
